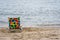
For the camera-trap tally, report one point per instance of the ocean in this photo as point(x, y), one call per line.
point(31, 12)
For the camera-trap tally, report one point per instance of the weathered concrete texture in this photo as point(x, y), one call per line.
point(33, 34)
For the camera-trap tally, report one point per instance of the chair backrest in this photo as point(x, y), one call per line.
point(14, 23)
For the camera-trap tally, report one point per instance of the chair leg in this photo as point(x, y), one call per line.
point(20, 29)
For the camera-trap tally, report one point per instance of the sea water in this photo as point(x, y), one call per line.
point(31, 12)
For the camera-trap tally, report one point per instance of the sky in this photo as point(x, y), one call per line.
point(31, 12)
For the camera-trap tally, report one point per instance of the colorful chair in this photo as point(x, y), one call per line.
point(14, 23)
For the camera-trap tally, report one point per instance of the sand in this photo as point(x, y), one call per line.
point(31, 34)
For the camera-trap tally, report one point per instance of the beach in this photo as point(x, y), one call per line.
point(32, 33)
